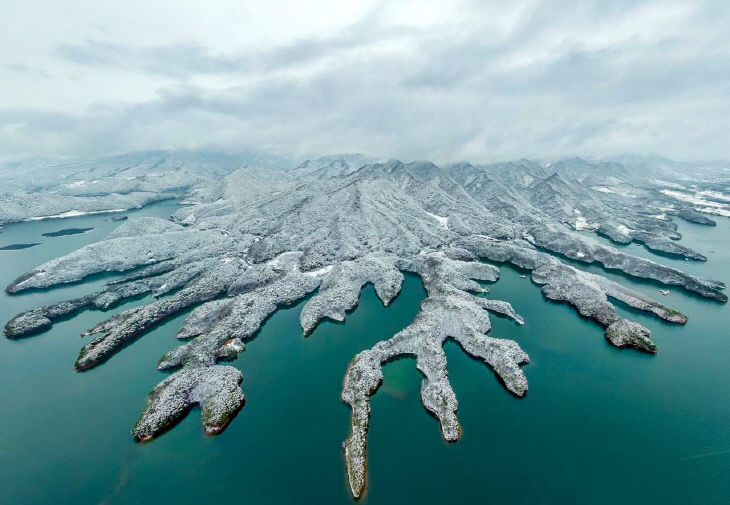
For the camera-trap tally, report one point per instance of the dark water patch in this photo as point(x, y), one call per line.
point(16, 247)
point(66, 231)
point(394, 383)
point(122, 481)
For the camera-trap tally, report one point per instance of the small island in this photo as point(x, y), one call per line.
point(66, 231)
point(15, 247)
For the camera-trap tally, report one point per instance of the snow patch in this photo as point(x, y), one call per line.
point(528, 237)
point(603, 189)
point(581, 224)
point(74, 213)
point(708, 206)
point(441, 219)
point(667, 184)
point(321, 271)
point(714, 210)
point(716, 195)
point(286, 261)
point(623, 229)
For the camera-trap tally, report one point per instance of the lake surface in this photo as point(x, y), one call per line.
point(598, 426)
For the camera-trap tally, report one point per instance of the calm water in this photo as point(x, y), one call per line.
point(598, 426)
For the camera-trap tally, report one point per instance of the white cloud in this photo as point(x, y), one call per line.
point(438, 80)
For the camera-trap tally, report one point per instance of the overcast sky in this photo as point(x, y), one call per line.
point(441, 80)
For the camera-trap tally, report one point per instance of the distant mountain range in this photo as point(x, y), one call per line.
point(135, 179)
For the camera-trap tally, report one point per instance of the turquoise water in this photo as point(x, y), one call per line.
point(598, 426)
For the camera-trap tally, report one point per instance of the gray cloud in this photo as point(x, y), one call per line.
point(188, 60)
point(174, 61)
point(490, 81)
